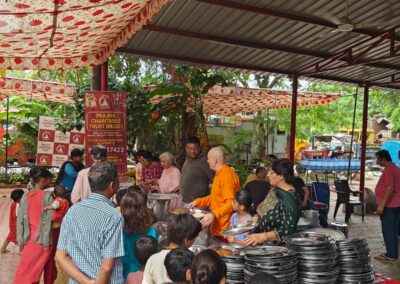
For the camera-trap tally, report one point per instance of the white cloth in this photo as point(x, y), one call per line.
point(155, 271)
point(81, 189)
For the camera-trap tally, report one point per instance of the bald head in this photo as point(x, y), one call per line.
point(216, 158)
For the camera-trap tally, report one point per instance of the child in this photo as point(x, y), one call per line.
point(183, 229)
point(118, 198)
point(137, 221)
point(16, 196)
point(241, 205)
point(144, 248)
point(208, 268)
point(60, 205)
point(178, 262)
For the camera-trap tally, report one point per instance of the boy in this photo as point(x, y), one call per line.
point(178, 262)
point(144, 248)
point(182, 232)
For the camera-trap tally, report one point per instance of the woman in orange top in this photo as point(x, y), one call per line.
point(226, 183)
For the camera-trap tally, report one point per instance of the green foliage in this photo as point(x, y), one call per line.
point(127, 73)
point(241, 171)
point(19, 178)
point(24, 115)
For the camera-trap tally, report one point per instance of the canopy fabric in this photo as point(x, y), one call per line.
point(232, 100)
point(37, 90)
point(66, 34)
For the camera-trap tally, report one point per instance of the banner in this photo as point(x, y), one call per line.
point(105, 124)
point(53, 145)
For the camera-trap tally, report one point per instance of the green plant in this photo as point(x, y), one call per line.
point(18, 178)
point(241, 171)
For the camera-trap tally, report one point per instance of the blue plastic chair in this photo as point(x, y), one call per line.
point(320, 195)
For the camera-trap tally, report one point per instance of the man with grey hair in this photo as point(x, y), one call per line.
point(81, 189)
point(226, 183)
point(90, 247)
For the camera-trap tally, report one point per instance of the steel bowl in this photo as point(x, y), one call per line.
point(198, 213)
point(197, 248)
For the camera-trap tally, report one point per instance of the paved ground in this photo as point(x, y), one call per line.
point(369, 229)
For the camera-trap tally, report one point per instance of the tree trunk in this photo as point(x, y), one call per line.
point(96, 78)
point(205, 143)
point(262, 136)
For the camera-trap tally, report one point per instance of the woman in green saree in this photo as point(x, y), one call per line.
point(280, 211)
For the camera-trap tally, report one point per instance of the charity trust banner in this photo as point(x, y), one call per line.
point(105, 124)
point(53, 145)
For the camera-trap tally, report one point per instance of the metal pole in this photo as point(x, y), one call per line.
point(293, 118)
point(104, 76)
point(7, 122)
point(364, 137)
point(352, 133)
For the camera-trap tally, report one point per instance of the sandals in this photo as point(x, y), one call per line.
point(383, 256)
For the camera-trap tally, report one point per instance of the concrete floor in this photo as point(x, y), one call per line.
point(369, 229)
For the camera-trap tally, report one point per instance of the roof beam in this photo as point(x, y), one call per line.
point(255, 45)
point(357, 54)
point(283, 15)
point(237, 66)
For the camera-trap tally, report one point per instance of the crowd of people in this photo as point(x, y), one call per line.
point(94, 240)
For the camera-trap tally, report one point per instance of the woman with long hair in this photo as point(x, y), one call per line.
point(34, 231)
point(280, 211)
point(137, 223)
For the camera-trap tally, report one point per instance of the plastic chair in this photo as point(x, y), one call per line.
point(343, 197)
point(320, 195)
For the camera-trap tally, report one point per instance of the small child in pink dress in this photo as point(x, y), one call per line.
point(16, 196)
point(144, 248)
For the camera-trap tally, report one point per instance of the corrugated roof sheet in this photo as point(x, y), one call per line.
point(269, 42)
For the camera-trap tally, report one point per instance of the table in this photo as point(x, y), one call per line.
point(330, 165)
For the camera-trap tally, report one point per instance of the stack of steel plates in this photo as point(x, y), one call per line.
point(317, 255)
point(277, 261)
point(234, 259)
point(234, 265)
point(355, 261)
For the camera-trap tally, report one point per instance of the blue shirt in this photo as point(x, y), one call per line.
point(236, 221)
point(91, 231)
point(131, 264)
point(69, 177)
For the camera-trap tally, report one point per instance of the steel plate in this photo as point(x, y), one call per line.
point(332, 233)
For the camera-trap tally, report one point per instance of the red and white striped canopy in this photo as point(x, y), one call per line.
point(232, 100)
point(37, 90)
point(65, 34)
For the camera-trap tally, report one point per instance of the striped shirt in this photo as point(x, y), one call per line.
point(91, 231)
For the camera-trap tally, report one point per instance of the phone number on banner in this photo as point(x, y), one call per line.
point(111, 150)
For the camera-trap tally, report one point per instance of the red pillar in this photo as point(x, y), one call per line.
point(104, 76)
point(364, 135)
point(293, 118)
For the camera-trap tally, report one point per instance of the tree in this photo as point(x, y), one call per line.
point(190, 86)
point(24, 116)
